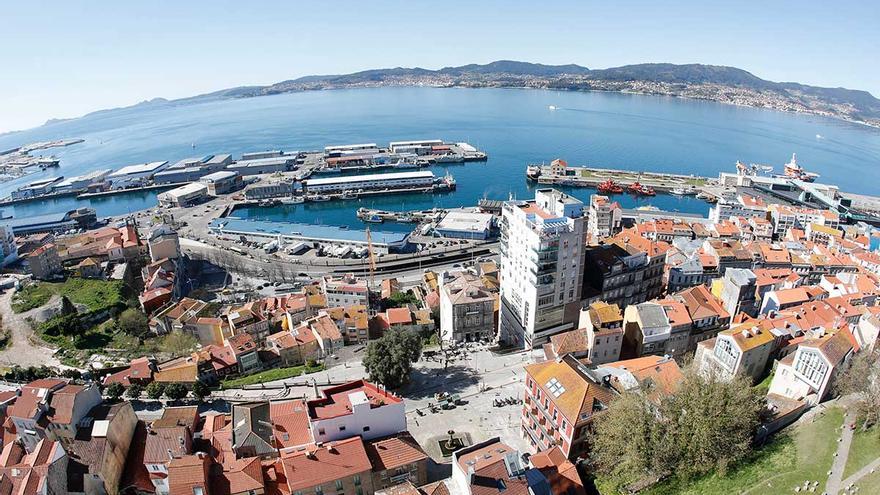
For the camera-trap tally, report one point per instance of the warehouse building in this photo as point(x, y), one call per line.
point(185, 195)
point(466, 225)
point(263, 165)
point(370, 181)
point(135, 175)
point(221, 182)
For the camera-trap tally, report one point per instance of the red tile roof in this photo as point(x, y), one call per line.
point(330, 462)
point(394, 452)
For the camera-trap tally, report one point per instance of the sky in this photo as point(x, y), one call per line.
point(63, 59)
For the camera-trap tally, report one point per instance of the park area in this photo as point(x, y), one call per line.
point(96, 295)
point(802, 453)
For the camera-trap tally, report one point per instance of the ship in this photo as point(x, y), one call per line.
point(609, 187)
point(640, 190)
point(533, 172)
point(794, 171)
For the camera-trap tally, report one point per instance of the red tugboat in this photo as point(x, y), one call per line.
point(609, 187)
point(640, 190)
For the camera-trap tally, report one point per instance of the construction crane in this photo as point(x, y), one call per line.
point(372, 258)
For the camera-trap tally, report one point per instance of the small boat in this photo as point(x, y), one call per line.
point(318, 198)
point(348, 195)
point(406, 218)
point(374, 219)
point(551, 107)
point(293, 200)
point(679, 191)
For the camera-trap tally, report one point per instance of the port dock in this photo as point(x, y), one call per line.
point(560, 173)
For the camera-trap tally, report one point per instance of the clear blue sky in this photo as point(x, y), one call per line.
point(66, 58)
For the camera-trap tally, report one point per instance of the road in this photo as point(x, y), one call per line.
point(22, 351)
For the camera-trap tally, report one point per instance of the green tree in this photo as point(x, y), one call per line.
point(399, 300)
point(625, 440)
point(114, 391)
point(200, 391)
point(706, 426)
point(389, 359)
point(860, 377)
point(178, 344)
point(134, 391)
point(133, 322)
point(176, 391)
point(67, 307)
point(155, 390)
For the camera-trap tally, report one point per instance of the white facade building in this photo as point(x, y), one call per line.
point(356, 408)
point(541, 267)
point(604, 218)
point(807, 374)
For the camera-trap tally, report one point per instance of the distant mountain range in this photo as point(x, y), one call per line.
point(707, 82)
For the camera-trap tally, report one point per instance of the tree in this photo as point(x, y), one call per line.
point(155, 390)
point(133, 322)
point(706, 426)
point(389, 359)
point(67, 307)
point(399, 300)
point(625, 443)
point(114, 391)
point(176, 391)
point(860, 377)
point(200, 391)
point(134, 391)
point(178, 344)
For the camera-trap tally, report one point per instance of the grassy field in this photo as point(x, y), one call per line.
point(805, 453)
point(269, 375)
point(869, 484)
point(94, 294)
point(865, 449)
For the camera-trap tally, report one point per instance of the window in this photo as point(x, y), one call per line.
point(320, 431)
point(338, 485)
point(342, 428)
point(564, 425)
point(366, 428)
point(359, 491)
point(357, 480)
point(319, 490)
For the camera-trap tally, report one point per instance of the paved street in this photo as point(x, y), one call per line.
point(478, 377)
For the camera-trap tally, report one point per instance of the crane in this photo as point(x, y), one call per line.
point(372, 258)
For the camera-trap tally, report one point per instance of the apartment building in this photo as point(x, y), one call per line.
point(541, 267)
point(604, 331)
point(741, 350)
point(604, 218)
point(807, 373)
point(467, 309)
point(561, 400)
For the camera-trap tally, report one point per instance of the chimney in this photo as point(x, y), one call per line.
point(170, 455)
point(180, 440)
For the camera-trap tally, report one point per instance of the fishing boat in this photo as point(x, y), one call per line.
point(609, 187)
point(373, 219)
point(679, 191)
point(318, 198)
point(293, 200)
point(348, 195)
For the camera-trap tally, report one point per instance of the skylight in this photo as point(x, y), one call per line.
point(555, 388)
